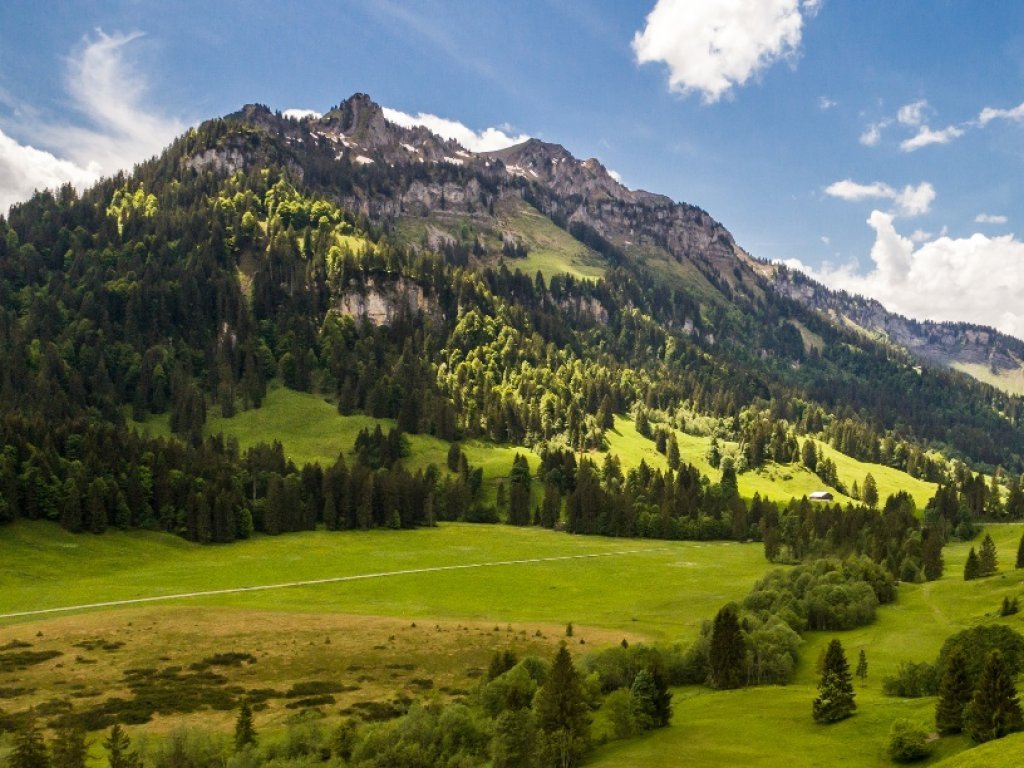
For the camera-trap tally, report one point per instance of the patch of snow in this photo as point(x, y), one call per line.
point(363, 160)
point(453, 160)
point(410, 148)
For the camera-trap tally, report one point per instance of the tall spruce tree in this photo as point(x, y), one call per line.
point(835, 691)
point(955, 692)
point(29, 749)
point(1020, 553)
point(727, 653)
point(560, 711)
point(119, 749)
point(862, 665)
point(972, 568)
point(69, 749)
point(988, 561)
point(245, 731)
point(994, 710)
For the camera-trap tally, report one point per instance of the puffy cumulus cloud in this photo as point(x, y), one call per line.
point(976, 279)
point(990, 218)
point(910, 201)
point(25, 169)
point(711, 46)
point(926, 136)
point(825, 103)
point(615, 175)
point(988, 114)
point(302, 114)
point(115, 129)
point(486, 140)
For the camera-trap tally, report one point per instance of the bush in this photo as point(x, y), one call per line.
point(913, 680)
point(908, 742)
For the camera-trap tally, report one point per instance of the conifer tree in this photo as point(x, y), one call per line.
point(931, 555)
point(727, 652)
point(245, 731)
point(69, 749)
point(1020, 553)
point(954, 694)
point(119, 750)
point(988, 562)
point(561, 714)
point(835, 691)
point(29, 749)
point(972, 568)
point(994, 710)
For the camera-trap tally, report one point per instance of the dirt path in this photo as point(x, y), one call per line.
point(314, 582)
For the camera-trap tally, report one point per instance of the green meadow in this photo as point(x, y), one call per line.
point(608, 588)
point(311, 429)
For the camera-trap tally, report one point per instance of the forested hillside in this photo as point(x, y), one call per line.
point(379, 267)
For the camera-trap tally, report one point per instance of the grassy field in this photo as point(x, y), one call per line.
point(429, 634)
point(550, 250)
point(751, 727)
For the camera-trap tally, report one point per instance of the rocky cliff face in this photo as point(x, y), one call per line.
point(946, 344)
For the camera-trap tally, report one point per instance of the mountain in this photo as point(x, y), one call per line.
point(521, 296)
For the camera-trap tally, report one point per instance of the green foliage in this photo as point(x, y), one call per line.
point(726, 652)
point(119, 751)
point(955, 693)
point(563, 723)
point(912, 680)
point(835, 700)
point(245, 731)
point(862, 665)
point(972, 568)
point(908, 742)
point(994, 710)
point(29, 748)
point(988, 562)
point(977, 644)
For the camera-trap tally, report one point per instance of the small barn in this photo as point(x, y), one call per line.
point(820, 496)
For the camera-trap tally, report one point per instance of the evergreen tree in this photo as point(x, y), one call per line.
point(1020, 553)
point(988, 562)
point(835, 690)
point(862, 665)
point(69, 749)
point(561, 715)
point(954, 694)
point(931, 554)
point(119, 751)
point(972, 568)
point(29, 749)
point(245, 731)
point(994, 710)
point(727, 653)
point(650, 699)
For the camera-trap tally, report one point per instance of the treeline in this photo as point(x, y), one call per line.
point(89, 476)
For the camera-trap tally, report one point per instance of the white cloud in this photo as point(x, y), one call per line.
point(926, 136)
point(825, 103)
point(714, 45)
point(115, 131)
point(873, 134)
point(826, 240)
point(988, 114)
point(977, 279)
point(920, 236)
point(25, 169)
point(989, 218)
point(913, 113)
point(486, 140)
point(615, 175)
point(910, 201)
point(302, 114)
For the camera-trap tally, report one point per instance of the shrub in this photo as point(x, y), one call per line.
point(908, 742)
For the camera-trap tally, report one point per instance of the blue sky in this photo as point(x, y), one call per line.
point(880, 145)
